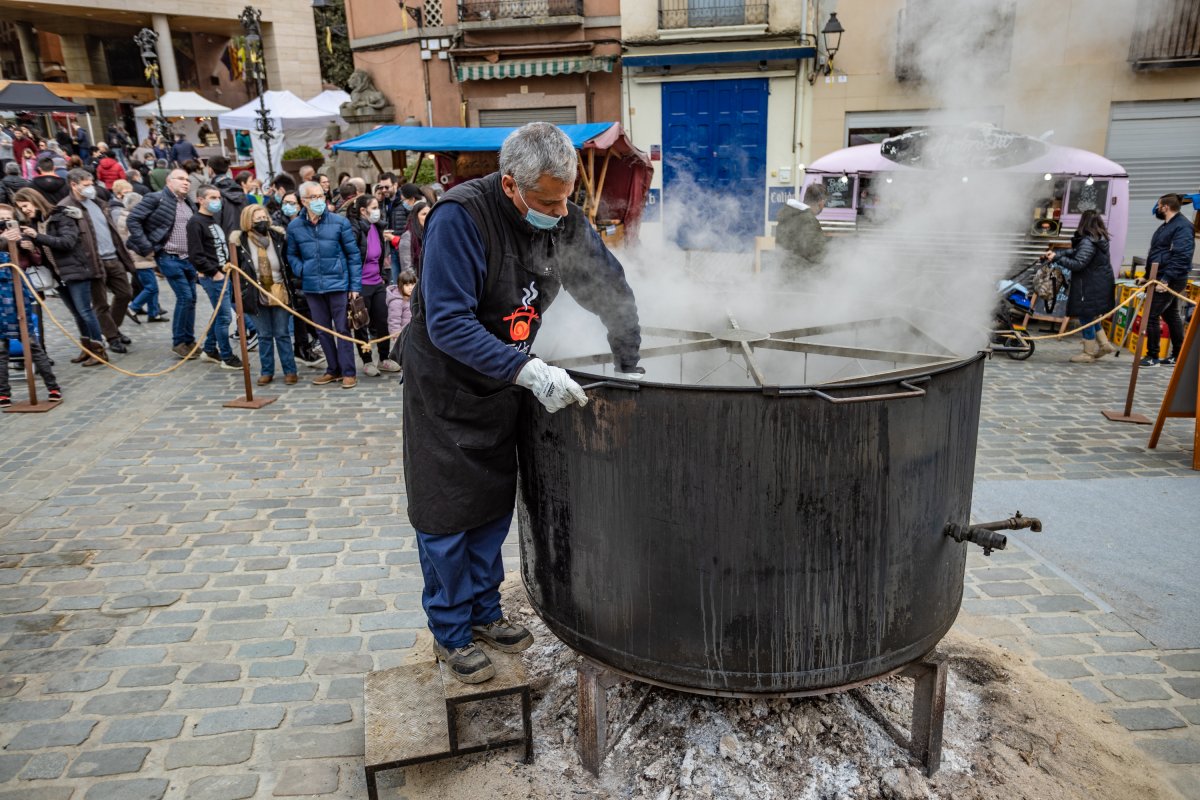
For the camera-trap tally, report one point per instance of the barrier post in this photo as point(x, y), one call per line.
point(33, 406)
point(1143, 324)
point(248, 400)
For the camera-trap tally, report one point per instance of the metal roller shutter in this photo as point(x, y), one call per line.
point(512, 118)
point(1158, 144)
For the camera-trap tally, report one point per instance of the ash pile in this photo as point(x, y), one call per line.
point(1009, 733)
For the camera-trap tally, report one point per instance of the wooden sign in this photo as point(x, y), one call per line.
point(1181, 399)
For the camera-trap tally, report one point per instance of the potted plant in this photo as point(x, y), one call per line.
point(303, 155)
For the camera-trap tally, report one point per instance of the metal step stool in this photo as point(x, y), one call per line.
point(412, 713)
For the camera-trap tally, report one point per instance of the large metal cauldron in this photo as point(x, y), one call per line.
point(752, 541)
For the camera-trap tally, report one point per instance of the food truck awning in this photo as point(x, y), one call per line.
point(1056, 160)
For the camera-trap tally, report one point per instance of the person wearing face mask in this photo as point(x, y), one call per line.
point(497, 250)
point(304, 335)
point(367, 220)
point(325, 257)
point(208, 252)
point(1171, 247)
point(262, 252)
point(110, 260)
point(9, 320)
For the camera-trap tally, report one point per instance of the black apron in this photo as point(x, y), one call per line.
point(460, 455)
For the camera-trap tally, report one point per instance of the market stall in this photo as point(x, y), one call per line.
point(614, 176)
point(34, 98)
point(330, 100)
point(295, 123)
point(184, 112)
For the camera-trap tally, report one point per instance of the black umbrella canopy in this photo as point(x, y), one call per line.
point(966, 147)
point(34, 97)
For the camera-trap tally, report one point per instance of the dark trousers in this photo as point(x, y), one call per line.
point(375, 296)
point(463, 572)
point(1166, 308)
point(41, 363)
point(329, 310)
point(116, 281)
point(80, 295)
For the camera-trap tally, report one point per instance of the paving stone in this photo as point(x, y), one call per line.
point(1091, 691)
point(144, 729)
point(1123, 644)
point(1007, 589)
point(39, 793)
point(30, 641)
point(345, 689)
point(178, 616)
point(148, 676)
point(322, 715)
point(1062, 668)
point(214, 673)
point(107, 705)
point(10, 685)
point(277, 669)
point(234, 613)
point(1188, 687)
point(1056, 625)
point(306, 779)
point(76, 682)
point(360, 605)
point(1111, 622)
point(136, 789)
point(1136, 690)
point(209, 697)
point(1173, 751)
point(391, 621)
point(10, 765)
point(1190, 713)
point(1148, 719)
point(1061, 646)
point(284, 693)
point(267, 649)
point(162, 635)
point(29, 662)
point(31, 710)
point(347, 743)
point(227, 631)
point(93, 638)
point(1124, 665)
point(128, 657)
point(341, 644)
point(211, 751)
point(45, 767)
point(1060, 602)
point(343, 665)
point(146, 600)
point(52, 734)
point(222, 787)
point(1184, 662)
point(239, 719)
point(113, 761)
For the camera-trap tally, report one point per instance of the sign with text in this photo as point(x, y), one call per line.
point(777, 197)
point(653, 210)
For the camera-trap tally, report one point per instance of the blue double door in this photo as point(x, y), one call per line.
point(715, 161)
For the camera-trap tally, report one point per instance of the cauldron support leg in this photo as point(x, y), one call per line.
point(591, 739)
point(929, 710)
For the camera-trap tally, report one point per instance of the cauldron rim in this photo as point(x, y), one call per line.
point(908, 373)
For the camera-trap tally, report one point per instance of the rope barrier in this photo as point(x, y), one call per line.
point(1136, 296)
point(195, 347)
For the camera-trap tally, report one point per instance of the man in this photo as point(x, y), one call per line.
point(324, 255)
point(243, 146)
point(233, 198)
point(22, 143)
point(65, 142)
point(11, 182)
point(135, 180)
point(307, 173)
point(497, 250)
point(158, 228)
point(323, 180)
point(83, 143)
point(799, 232)
point(208, 251)
point(112, 263)
point(108, 168)
point(347, 192)
point(183, 150)
point(158, 175)
point(6, 145)
point(47, 182)
point(1171, 247)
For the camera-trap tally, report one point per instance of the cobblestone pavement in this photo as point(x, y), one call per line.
point(190, 595)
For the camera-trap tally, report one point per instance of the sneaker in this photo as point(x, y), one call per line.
point(1149, 361)
point(252, 341)
point(468, 664)
point(159, 318)
point(55, 395)
point(5, 401)
point(387, 365)
point(211, 355)
point(370, 370)
point(233, 362)
point(1168, 362)
point(183, 350)
point(505, 636)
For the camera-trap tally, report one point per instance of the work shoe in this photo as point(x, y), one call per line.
point(211, 355)
point(82, 357)
point(263, 380)
point(125, 339)
point(99, 358)
point(326, 379)
point(370, 370)
point(387, 365)
point(290, 379)
point(1107, 348)
point(183, 350)
point(468, 664)
point(117, 346)
point(233, 362)
point(1149, 361)
point(505, 636)
point(350, 382)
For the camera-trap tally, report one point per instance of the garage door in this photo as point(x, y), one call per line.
point(506, 118)
point(1158, 144)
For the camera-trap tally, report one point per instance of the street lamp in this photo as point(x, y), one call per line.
point(147, 41)
point(832, 36)
point(251, 19)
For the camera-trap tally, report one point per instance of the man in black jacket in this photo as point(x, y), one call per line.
point(52, 187)
point(11, 182)
point(158, 228)
point(233, 197)
point(208, 250)
point(1171, 247)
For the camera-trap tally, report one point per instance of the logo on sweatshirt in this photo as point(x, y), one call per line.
point(520, 321)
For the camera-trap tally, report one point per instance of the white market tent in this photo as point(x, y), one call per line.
point(295, 123)
point(184, 106)
point(330, 100)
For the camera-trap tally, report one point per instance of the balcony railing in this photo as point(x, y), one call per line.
point(710, 13)
point(492, 10)
point(1168, 35)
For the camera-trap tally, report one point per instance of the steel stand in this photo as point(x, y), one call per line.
point(33, 406)
point(1144, 320)
point(594, 682)
point(248, 400)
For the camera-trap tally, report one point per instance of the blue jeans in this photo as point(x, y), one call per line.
point(146, 301)
point(81, 299)
point(274, 331)
point(218, 333)
point(329, 310)
point(1090, 331)
point(181, 277)
point(463, 572)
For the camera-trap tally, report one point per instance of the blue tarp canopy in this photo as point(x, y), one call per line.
point(454, 140)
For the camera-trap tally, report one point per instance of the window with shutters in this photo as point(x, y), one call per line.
point(433, 14)
point(1167, 36)
point(710, 13)
point(512, 118)
point(496, 10)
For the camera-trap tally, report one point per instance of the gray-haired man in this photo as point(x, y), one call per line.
point(497, 250)
point(799, 232)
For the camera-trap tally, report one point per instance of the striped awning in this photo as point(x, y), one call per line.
point(485, 71)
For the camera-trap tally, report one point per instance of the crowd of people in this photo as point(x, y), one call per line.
point(99, 226)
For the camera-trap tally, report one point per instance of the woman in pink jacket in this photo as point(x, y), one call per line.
point(399, 295)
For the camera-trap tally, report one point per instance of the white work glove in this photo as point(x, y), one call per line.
point(635, 374)
point(552, 386)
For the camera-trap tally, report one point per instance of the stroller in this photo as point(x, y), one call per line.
point(1015, 301)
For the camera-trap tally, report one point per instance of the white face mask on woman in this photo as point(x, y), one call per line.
point(373, 215)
